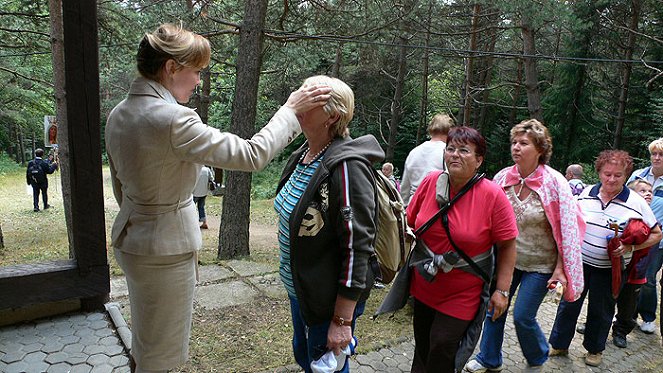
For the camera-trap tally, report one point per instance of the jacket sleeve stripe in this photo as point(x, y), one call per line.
point(345, 187)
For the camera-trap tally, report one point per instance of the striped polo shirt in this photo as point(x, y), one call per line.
point(626, 205)
point(284, 204)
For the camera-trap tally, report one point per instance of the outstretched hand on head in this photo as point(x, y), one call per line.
point(308, 97)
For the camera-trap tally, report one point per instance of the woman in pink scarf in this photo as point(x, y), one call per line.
point(550, 230)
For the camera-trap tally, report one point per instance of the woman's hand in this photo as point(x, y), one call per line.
point(622, 249)
point(338, 337)
point(497, 305)
point(558, 276)
point(308, 97)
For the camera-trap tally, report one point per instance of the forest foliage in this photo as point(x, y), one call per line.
point(593, 67)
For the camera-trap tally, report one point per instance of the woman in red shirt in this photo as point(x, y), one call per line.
point(447, 305)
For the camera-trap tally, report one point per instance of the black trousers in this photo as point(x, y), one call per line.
point(36, 189)
point(436, 338)
point(627, 302)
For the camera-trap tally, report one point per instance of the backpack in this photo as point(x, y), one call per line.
point(392, 241)
point(35, 172)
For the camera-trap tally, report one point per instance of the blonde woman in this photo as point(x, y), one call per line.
point(326, 203)
point(156, 148)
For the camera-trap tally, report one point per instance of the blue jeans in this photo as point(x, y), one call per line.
point(648, 296)
point(200, 203)
point(309, 343)
point(533, 288)
point(600, 309)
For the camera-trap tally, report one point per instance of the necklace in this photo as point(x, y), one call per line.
point(315, 156)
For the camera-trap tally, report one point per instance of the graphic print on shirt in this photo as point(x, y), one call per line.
point(312, 223)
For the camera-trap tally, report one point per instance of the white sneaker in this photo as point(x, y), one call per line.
point(648, 327)
point(474, 366)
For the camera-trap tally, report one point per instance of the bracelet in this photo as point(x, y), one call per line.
point(338, 320)
point(505, 293)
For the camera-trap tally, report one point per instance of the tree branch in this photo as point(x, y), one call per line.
point(17, 74)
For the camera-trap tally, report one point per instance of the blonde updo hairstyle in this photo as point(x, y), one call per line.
point(167, 42)
point(538, 134)
point(342, 102)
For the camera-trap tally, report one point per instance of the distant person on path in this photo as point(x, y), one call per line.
point(450, 305)
point(574, 176)
point(647, 302)
point(427, 157)
point(36, 177)
point(200, 192)
point(155, 150)
point(388, 171)
point(602, 204)
point(636, 270)
point(550, 229)
point(326, 204)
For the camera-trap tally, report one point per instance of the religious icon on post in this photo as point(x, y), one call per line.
point(50, 131)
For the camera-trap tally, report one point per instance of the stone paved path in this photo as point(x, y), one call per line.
point(91, 342)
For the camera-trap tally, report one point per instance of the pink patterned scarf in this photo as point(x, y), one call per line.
point(564, 216)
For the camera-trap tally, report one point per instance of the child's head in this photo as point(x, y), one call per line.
point(642, 187)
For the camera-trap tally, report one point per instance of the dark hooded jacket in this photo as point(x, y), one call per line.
point(333, 226)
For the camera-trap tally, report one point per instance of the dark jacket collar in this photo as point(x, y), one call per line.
point(622, 196)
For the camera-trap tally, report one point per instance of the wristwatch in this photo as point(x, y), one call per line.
point(338, 320)
point(505, 293)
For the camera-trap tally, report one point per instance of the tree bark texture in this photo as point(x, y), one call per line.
point(425, 63)
point(205, 95)
point(531, 72)
point(234, 226)
point(626, 74)
point(469, 68)
point(397, 103)
point(2, 239)
point(57, 56)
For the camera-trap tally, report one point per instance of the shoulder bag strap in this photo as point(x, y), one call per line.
point(475, 179)
point(472, 263)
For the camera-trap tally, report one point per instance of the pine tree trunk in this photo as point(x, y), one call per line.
point(2, 239)
point(423, 108)
point(531, 72)
point(469, 68)
point(397, 103)
point(626, 75)
point(234, 227)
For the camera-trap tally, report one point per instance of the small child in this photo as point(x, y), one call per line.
point(627, 301)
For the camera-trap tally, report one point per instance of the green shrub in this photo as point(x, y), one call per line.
point(7, 164)
point(264, 183)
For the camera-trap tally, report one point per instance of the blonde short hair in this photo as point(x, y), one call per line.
point(342, 102)
point(440, 125)
point(167, 42)
point(539, 135)
point(656, 145)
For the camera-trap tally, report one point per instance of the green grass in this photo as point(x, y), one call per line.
point(247, 338)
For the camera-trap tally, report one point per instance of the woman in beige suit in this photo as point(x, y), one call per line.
point(156, 148)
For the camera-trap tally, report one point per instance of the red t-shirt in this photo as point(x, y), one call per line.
point(477, 220)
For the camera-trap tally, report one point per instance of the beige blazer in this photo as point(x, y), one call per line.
point(156, 148)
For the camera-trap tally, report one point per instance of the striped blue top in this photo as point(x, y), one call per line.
point(284, 204)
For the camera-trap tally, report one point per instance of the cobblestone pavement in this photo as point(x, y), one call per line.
point(75, 343)
point(91, 342)
point(643, 354)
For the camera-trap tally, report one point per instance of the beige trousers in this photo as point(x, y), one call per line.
point(161, 294)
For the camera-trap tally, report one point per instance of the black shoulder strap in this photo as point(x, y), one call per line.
point(472, 263)
point(475, 179)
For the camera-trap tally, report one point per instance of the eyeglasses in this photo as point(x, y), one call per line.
point(462, 151)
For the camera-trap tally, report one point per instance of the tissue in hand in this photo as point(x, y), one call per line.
point(330, 363)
